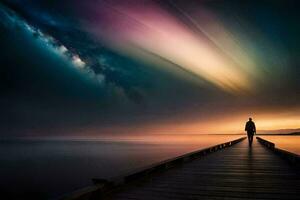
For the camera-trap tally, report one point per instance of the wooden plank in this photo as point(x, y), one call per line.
point(291, 157)
point(102, 187)
point(234, 173)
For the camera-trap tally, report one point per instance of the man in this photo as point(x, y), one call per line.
point(251, 129)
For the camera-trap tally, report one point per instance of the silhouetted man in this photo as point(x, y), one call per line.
point(251, 129)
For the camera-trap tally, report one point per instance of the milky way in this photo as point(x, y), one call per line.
point(100, 67)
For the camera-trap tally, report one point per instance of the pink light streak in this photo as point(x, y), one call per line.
point(135, 26)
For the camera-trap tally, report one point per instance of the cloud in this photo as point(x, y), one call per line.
point(131, 28)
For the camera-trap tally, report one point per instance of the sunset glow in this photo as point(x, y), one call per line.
point(100, 99)
point(149, 67)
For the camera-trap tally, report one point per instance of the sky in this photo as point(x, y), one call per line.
point(100, 68)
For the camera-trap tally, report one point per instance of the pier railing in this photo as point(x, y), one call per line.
point(293, 158)
point(102, 187)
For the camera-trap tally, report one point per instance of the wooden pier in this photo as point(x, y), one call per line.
point(232, 171)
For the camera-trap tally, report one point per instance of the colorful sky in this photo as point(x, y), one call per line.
point(126, 67)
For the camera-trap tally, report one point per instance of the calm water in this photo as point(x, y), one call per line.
point(289, 143)
point(49, 168)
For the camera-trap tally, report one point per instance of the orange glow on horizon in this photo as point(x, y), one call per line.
point(266, 123)
point(226, 125)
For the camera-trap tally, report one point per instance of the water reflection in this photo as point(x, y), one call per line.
point(50, 168)
point(289, 143)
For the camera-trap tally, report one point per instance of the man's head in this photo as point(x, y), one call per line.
point(250, 119)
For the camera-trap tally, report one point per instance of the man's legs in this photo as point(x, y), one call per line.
point(250, 137)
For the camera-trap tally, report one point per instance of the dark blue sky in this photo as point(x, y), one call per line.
point(58, 78)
